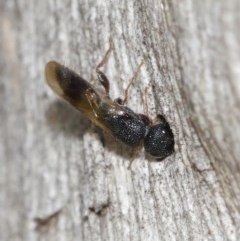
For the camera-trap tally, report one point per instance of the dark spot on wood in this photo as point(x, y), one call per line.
point(45, 223)
point(101, 210)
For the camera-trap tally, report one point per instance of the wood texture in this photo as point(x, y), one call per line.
point(60, 180)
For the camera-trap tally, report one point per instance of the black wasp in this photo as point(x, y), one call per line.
point(113, 117)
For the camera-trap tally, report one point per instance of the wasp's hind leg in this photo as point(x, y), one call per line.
point(101, 76)
point(123, 101)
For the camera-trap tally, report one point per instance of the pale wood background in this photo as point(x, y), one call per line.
point(52, 158)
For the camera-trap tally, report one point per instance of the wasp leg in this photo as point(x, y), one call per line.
point(136, 151)
point(145, 101)
point(131, 82)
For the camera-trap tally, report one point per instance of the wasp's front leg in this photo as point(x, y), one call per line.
point(136, 151)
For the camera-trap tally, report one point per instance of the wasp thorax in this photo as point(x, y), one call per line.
point(129, 130)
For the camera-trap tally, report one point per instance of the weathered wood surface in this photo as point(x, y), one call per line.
point(53, 159)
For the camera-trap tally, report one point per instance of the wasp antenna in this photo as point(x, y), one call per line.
point(145, 101)
point(106, 56)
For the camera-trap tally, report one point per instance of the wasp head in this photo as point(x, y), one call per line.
point(159, 140)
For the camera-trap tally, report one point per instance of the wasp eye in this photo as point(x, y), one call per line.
point(159, 141)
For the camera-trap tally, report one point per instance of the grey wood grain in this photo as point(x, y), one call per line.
point(53, 159)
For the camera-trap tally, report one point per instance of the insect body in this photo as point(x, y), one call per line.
point(112, 116)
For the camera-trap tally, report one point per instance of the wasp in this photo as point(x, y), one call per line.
point(112, 116)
